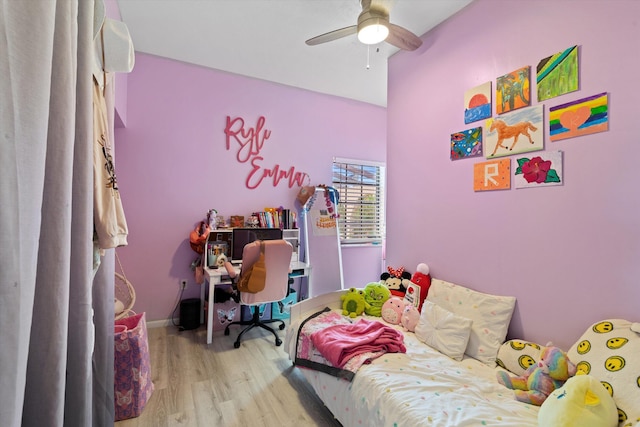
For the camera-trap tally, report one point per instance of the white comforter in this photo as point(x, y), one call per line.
point(420, 388)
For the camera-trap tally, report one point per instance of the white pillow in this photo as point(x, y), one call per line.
point(490, 314)
point(443, 330)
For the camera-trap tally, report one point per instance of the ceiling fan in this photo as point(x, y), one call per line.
point(373, 27)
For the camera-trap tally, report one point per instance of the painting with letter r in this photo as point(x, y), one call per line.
point(492, 175)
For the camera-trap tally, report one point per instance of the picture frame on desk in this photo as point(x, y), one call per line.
point(236, 221)
point(215, 248)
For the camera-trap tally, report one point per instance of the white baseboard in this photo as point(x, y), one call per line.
point(163, 323)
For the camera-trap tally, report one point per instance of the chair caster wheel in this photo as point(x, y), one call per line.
point(236, 344)
point(278, 342)
point(281, 326)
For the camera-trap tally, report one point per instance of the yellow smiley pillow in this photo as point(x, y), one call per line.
point(610, 351)
point(517, 356)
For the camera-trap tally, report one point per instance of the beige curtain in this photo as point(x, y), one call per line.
point(56, 320)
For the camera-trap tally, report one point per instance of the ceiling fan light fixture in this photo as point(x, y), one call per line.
point(373, 31)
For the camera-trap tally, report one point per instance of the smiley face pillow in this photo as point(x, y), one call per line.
point(610, 351)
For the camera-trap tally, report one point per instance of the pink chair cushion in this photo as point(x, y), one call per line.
point(277, 259)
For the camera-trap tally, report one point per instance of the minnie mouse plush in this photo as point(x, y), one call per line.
point(396, 280)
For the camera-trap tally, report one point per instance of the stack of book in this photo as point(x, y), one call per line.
point(277, 218)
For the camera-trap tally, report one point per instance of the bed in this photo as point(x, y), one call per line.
point(446, 377)
point(422, 386)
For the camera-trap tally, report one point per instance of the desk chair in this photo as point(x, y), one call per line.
point(277, 257)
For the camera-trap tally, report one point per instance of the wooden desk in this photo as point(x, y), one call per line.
point(219, 276)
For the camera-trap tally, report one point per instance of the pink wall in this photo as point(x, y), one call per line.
point(173, 165)
point(570, 254)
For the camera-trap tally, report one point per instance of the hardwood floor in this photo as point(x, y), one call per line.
point(198, 385)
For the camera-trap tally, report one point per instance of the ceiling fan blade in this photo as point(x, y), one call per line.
point(332, 35)
point(403, 38)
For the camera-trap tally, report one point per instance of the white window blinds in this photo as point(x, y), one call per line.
point(360, 185)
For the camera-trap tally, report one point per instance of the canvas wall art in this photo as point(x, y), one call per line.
point(557, 74)
point(467, 143)
point(581, 117)
point(513, 91)
point(477, 103)
point(542, 169)
point(492, 175)
point(517, 132)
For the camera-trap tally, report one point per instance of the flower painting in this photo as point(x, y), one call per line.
point(477, 103)
point(513, 91)
point(540, 170)
point(467, 143)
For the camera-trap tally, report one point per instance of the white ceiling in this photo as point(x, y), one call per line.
point(265, 39)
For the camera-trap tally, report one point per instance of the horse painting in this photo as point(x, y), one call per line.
point(511, 131)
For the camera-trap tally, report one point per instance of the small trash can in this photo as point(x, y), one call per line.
point(189, 313)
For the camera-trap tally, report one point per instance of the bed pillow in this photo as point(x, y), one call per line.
point(443, 330)
point(491, 315)
point(517, 355)
point(609, 351)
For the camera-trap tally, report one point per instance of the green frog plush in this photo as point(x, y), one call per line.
point(375, 294)
point(353, 302)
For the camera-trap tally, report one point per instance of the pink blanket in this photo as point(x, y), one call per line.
point(340, 343)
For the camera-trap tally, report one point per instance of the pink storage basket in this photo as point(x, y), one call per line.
point(132, 384)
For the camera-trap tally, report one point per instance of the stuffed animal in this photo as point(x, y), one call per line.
point(353, 303)
point(375, 294)
point(419, 286)
point(410, 317)
point(581, 402)
point(396, 280)
point(392, 310)
point(541, 379)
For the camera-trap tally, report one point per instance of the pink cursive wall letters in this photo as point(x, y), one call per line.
point(249, 142)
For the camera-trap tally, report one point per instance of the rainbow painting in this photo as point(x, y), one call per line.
point(581, 117)
point(477, 103)
point(557, 74)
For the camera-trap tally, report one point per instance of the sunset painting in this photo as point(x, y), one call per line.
point(477, 103)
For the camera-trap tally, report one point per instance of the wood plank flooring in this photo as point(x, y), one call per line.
point(200, 385)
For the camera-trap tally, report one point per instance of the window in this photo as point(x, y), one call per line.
point(360, 185)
